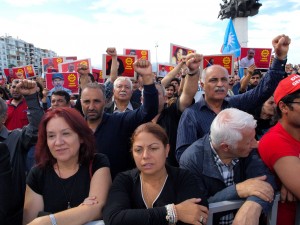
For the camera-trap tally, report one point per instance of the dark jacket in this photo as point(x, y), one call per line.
point(6, 183)
point(198, 159)
point(19, 142)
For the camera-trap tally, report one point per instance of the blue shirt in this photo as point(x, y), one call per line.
point(196, 120)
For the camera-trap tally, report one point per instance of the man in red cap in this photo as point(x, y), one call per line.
point(280, 147)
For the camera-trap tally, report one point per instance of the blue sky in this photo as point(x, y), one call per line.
point(87, 28)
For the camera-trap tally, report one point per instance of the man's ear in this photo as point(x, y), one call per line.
point(202, 85)
point(224, 147)
point(283, 107)
point(4, 118)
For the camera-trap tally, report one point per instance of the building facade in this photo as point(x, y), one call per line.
point(15, 52)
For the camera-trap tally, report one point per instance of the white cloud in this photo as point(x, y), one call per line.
point(25, 3)
point(142, 24)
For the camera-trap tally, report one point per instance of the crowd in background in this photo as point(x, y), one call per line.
point(154, 150)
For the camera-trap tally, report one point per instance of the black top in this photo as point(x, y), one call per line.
point(125, 204)
point(114, 132)
point(6, 183)
point(136, 96)
point(57, 192)
point(169, 120)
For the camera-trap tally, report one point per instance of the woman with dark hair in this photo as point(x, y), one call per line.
point(265, 116)
point(178, 55)
point(154, 193)
point(120, 66)
point(68, 172)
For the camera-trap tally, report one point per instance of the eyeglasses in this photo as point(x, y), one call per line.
point(83, 68)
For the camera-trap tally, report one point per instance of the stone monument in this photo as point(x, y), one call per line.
point(238, 8)
point(239, 11)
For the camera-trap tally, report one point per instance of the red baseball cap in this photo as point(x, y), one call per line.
point(287, 86)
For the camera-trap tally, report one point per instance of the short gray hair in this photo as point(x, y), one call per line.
point(228, 125)
point(119, 79)
point(96, 85)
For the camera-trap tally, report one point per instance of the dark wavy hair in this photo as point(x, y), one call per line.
point(121, 68)
point(76, 122)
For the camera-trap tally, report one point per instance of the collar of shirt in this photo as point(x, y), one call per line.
point(203, 104)
point(219, 162)
point(129, 107)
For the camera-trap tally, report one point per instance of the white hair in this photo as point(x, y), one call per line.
point(119, 79)
point(228, 125)
point(208, 70)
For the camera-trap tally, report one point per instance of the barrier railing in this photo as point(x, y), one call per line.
point(236, 204)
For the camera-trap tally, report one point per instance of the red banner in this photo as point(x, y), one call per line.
point(262, 56)
point(125, 68)
point(29, 71)
point(225, 60)
point(52, 63)
point(73, 65)
point(163, 67)
point(69, 81)
point(177, 51)
point(97, 73)
point(19, 72)
point(140, 54)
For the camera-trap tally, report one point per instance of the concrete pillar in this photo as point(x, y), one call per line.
point(241, 28)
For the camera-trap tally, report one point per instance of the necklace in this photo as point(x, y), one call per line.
point(149, 196)
point(68, 197)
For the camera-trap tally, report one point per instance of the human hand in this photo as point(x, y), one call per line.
point(45, 92)
point(26, 87)
point(91, 200)
point(193, 61)
point(144, 68)
point(190, 212)
point(111, 51)
point(251, 69)
point(256, 187)
point(83, 70)
point(248, 214)
point(281, 46)
point(286, 195)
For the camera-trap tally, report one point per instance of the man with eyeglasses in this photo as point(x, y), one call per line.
point(280, 147)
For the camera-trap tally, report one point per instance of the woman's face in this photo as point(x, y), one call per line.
point(269, 107)
point(62, 141)
point(149, 153)
point(179, 54)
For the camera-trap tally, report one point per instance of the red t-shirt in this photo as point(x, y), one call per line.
point(274, 145)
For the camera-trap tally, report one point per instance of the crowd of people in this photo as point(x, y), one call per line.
point(153, 151)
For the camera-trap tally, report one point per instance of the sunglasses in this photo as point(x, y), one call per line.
point(83, 69)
